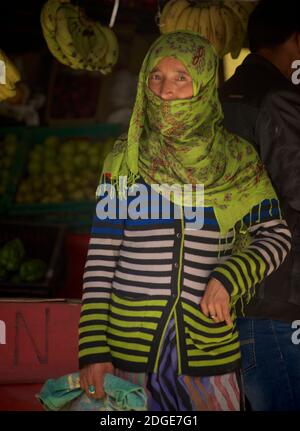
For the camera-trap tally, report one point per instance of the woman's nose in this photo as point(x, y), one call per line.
point(167, 90)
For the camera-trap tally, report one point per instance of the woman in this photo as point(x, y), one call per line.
point(159, 294)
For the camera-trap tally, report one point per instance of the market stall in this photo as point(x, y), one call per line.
point(67, 90)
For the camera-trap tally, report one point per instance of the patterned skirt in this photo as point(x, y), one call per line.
point(169, 392)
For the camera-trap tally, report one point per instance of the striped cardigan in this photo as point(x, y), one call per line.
point(140, 273)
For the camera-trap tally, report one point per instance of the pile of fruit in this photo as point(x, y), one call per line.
point(76, 41)
point(15, 268)
point(8, 147)
point(10, 77)
point(223, 23)
point(63, 170)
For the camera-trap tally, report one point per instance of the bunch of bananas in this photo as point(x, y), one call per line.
point(76, 41)
point(11, 76)
point(223, 23)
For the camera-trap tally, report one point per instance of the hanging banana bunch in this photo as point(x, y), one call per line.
point(223, 23)
point(10, 77)
point(76, 41)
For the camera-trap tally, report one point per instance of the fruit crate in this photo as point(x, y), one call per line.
point(75, 214)
point(10, 163)
point(40, 241)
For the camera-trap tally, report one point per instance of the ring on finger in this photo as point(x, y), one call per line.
point(92, 389)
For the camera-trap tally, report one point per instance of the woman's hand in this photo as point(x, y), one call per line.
point(216, 302)
point(93, 375)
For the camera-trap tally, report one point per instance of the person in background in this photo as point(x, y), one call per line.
point(159, 293)
point(262, 104)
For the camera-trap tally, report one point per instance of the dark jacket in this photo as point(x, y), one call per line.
point(263, 106)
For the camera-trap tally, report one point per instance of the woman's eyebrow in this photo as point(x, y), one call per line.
point(156, 69)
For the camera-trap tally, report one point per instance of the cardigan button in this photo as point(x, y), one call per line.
point(178, 235)
point(176, 265)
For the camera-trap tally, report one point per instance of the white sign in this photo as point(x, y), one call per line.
point(2, 72)
point(2, 332)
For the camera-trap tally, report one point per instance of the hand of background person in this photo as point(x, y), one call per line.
point(93, 374)
point(216, 302)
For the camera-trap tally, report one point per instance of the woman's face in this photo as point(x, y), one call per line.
point(170, 80)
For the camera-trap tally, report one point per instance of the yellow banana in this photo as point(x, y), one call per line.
point(229, 23)
point(93, 42)
point(112, 53)
point(213, 37)
point(221, 30)
point(48, 17)
point(48, 13)
point(48, 23)
point(175, 11)
point(193, 19)
point(196, 23)
point(98, 45)
point(183, 19)
point(79, 43)
point(64, 37)
point(89, 41)
point(163, 26)
point(200, 22)
point(248, 6)
point(80, 35)
point(2, 95)
point(240, 12)
point(44, 19)
point(6, 91)
point(240, 19)
point(218, 29)
point(56, 51)
point(11, 71)
point(204, 24)
point(238, 41)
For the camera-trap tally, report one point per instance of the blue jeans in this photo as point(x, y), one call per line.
point(270, 364)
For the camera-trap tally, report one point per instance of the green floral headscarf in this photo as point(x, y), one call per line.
point(184, 141)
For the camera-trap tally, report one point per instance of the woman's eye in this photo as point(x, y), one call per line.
point(181, 78)
point(155, 77)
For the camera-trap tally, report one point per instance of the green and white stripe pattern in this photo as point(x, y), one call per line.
point(140, 273)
